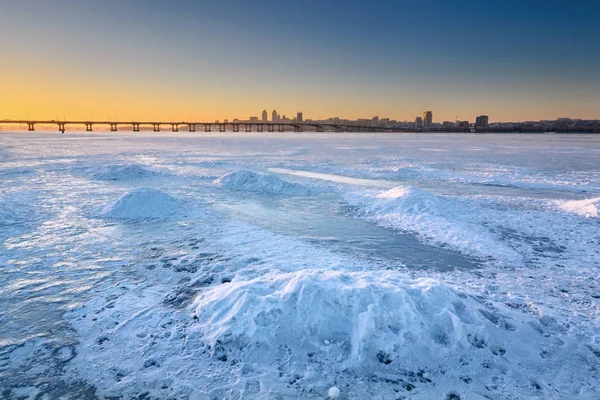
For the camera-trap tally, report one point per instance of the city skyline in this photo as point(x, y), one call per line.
point(208, 61)
point(281, 123)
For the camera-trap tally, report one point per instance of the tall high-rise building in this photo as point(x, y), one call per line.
point(264, 116)
point(419, 123)
point(427, 119)
point(299, 117)
point(482, 121)
point(274, 116)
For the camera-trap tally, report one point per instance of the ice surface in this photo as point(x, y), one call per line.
point(16, 208)
point(117, 280)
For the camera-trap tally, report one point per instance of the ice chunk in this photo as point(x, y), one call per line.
point(334, 392)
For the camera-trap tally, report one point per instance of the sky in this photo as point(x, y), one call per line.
point(207, 60)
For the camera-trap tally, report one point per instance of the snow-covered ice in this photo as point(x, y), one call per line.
point(284, 266)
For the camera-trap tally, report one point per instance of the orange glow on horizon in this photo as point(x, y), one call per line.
point(29, 94)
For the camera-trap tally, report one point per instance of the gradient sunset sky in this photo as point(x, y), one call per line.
point(207, 60)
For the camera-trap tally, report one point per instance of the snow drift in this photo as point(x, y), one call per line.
point(141, 204)
point(247, 181)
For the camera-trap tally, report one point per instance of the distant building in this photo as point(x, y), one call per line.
point(274, 116)
point(419, 123)
point(427, 119)
point(463, 125)
point(254, 119)
point(264, 116)
point(299, 117)
point(482, 121)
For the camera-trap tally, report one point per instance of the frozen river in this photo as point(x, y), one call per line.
point(277, 266)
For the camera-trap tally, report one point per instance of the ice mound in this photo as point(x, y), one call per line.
point(353, 318)
point(123, 172)
point(248, 181)
point(141, 204)
point(359, 330)
point(588, 208)
point(441, 220)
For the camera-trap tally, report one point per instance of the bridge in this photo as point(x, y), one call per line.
point(207, 126)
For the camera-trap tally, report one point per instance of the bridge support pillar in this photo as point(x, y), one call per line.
point(191, 127)
point(156, 127)
point(298, 128)
point(136, 127)
point(221, 127)
point(271, 128)
point(339, 129)
point(88, 127)
point(320, 129)
point(175, 127)
point(113, 127)
point(248, 128)
point(207, 128)
point(236, 128)
point(281, 128)
point(61, 127)
point(259, 128)
point(30, 126)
